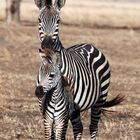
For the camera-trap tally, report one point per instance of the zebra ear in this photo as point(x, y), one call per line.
point(46, 54)
point(41, 54)
point(42, 3)
point(59, 3)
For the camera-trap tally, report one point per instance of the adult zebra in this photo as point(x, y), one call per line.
point(85, 66)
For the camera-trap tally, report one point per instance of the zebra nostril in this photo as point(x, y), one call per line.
point(39, 92)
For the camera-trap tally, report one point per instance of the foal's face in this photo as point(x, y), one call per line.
point(49, 75)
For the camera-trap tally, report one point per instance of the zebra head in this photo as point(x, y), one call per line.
point(49, 18)
point(49, 76)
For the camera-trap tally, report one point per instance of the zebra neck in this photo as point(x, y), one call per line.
point(58, 92)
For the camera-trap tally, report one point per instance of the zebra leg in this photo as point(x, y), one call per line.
point(97, 108)
point(96, 111)
point(77, 124)
point(48, 130)
point(52, 134)
point(61, 128)
point(95, 116)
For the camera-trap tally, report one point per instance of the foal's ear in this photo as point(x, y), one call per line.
point(46, 54)
point(59, 3)
point(41, 53)
point(41, 3)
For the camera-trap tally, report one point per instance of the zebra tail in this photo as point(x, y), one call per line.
point(115, 101)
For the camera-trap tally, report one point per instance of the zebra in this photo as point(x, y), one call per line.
point(83, 64)
point(55, 101)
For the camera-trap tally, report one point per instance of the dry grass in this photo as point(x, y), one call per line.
point(19, 112)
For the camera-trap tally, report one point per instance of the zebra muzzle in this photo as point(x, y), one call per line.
point(47, 42)
point(39, 92)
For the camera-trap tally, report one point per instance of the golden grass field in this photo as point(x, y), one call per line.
point(113, 28)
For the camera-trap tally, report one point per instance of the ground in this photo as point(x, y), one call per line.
point(20, 118)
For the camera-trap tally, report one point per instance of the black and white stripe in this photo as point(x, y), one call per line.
point(84, 65)
point(54, 101)
point(48, 26)
point(89, 73)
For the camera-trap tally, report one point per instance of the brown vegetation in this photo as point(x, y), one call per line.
point(20, 117)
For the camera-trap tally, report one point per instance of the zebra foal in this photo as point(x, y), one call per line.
point(85, 66)
point(54, 99)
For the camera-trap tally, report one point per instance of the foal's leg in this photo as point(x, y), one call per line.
point(77, 125)
point(60, 129)
point(47, 129)
point(53, 134)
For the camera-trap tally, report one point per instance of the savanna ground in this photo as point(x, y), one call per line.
point(113, 28)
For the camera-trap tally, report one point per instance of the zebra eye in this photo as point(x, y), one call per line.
point(51, 75)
